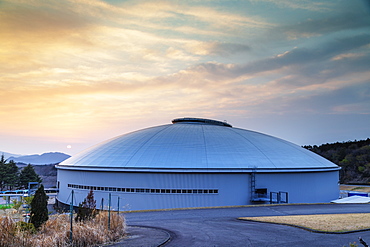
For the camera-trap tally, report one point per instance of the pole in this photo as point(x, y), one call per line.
point(71, 219)
point(109, 201)
point(118, 205)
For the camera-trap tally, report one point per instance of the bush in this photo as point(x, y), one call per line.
point(39, 208)
point(87, 209)
point(17, 204)
point(25, 227)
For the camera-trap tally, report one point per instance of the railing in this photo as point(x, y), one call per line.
point(25, 192)
point(279, 197)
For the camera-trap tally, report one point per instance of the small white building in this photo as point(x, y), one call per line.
point(196, 163)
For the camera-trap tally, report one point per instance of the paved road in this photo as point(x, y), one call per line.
point(220, 227)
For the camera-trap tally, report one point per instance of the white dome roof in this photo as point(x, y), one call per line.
point(192, 144)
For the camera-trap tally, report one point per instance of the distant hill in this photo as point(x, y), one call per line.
point(43, 159)
point(352, 156)
point(7, 155)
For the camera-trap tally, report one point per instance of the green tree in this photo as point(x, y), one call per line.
point(9, 176)
point(87, 209)
point(39, 208)
point(27, 175)
point(12, 175)
point(2, 172)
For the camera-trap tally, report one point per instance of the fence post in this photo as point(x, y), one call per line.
point(109, 202)
point(118, 205)
point(71, 219)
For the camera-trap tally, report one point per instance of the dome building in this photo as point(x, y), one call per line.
point(196, 162)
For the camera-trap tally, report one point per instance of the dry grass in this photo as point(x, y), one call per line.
point(358, 188)
point(55, 232)
point(321, 222)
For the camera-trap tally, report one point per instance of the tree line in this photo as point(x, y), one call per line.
point(352, 156)
point(11, 177)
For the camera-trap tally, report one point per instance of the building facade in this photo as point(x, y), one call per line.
point(196, 163)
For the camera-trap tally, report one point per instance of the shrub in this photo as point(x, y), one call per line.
point(25, 227)
point(87, 209)
point(17, 204)
point(39, 208)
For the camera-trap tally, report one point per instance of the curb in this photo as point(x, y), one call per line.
point(145, 239)
point(166, 240)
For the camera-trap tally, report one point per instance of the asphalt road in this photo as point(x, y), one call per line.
point(220, 227)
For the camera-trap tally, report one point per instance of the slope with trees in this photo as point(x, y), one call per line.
point(11, 178)
point(352, 156)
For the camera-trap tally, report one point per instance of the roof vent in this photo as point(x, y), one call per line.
point(201, 121)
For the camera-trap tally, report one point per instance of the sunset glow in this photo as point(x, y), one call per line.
point(74, 73)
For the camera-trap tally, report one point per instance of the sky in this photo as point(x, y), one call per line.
point(74, 73)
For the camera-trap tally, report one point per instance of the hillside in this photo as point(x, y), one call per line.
point(352, 156)
point(43, 164)
point(48, 173)
point(43, 159)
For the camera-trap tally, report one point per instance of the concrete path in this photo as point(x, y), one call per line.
point(220, 227)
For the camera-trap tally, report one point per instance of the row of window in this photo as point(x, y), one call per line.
point(141, 190)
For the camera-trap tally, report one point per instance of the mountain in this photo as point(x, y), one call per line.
point(43, 159)
point(7, 155)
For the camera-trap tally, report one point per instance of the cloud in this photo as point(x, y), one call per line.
point(217, 48)
point(302, 4)
point(353, 98)
point(74, 33)
point(44, 17)
point(348, 21)
point(298, 57)
point(70, 68)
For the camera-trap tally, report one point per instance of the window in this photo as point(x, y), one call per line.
point(145, 190)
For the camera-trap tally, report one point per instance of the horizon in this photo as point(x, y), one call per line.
point(46, 152)
point(75, 74)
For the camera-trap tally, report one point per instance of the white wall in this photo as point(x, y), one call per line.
point(233, 189)
point(305, 187)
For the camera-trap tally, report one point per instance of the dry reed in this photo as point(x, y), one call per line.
point(56, 231)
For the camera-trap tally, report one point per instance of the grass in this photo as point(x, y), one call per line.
point(321, 222)
point(6, 206)
point(55, 232)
